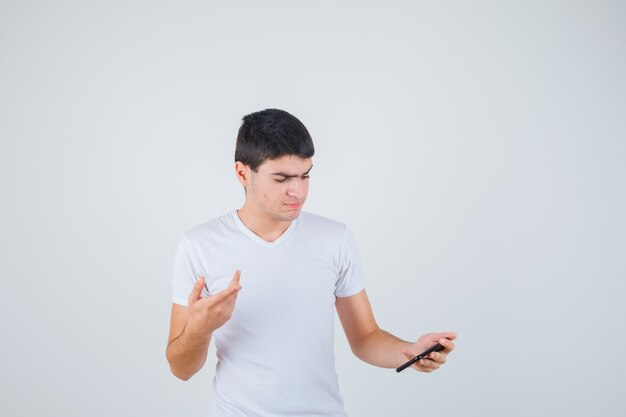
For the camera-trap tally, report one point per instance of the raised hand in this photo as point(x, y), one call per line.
point(207, 314)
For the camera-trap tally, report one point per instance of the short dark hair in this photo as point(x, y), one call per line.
point(269, 134)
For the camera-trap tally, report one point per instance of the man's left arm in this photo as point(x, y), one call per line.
point(380, 348)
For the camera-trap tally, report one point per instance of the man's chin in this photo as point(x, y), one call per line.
point(290, 215)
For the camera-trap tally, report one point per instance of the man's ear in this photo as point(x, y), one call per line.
point(243, 174)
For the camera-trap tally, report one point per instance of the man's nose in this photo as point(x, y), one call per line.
point(296, 188)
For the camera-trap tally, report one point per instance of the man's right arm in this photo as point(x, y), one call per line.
point(191, 327)
point(186, 352)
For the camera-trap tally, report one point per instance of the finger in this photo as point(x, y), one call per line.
point(426, 365)
point(419, 366)
point(438, 357)
point(446, 335)
point(447, 344)
point(196, 291)
point(234, 283)
point(228, 304)
point(232, 289)
point(431, 364)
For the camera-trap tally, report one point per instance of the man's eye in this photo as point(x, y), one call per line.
point(306, 177)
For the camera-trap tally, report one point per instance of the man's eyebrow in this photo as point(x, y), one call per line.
point(286, 175)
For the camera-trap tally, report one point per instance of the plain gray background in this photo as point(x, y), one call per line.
point(475, 149)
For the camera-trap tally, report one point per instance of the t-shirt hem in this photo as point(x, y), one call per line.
point(348, 293)
point(181, 301)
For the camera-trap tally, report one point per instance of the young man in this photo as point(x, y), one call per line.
point(264, 281)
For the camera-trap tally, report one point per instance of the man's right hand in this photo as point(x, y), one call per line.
point(207, 314)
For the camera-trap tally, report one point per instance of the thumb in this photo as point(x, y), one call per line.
point(445, 335)
point(196, 291)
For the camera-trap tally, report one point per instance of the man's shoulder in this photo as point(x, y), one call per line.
point(320, 223)
point(215, 226)
point(314, 217)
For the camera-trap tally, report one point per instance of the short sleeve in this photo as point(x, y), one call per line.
point(185, 274)
point(350, 280)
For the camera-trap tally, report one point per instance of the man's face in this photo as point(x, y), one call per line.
point(280, 186)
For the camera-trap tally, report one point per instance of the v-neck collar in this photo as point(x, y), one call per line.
point(257, 238)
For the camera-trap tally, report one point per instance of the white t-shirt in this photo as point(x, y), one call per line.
point(275, 354)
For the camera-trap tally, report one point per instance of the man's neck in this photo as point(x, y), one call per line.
point(264, 226)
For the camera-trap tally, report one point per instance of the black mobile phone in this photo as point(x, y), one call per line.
point(422, 355)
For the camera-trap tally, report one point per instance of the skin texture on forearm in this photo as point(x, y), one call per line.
point(381, 348)
point(187, 353)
